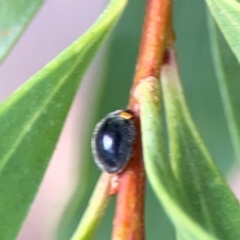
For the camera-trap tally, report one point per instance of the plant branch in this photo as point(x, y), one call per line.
point(129, 215)
point(157, 33)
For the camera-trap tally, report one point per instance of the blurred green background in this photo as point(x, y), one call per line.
point(201, 90)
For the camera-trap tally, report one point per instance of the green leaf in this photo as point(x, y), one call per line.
point(227, 15)
point(159, 171)
point(15, 16)
point(227, 72)
point(178, 237)
point(94, 212)
point(31, 120)
point(212, 204)
point(87, 175)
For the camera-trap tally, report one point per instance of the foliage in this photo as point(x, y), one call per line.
point(187, 182)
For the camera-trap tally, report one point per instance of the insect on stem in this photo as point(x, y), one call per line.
point(157, 33)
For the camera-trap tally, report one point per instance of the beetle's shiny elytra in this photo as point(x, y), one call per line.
point(113, 140)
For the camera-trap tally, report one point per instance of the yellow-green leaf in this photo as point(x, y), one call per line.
point(95, 210)
point(158, 167)
point(212, 204)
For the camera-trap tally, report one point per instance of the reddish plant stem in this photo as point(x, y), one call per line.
point(157, 33)
point(129, 215)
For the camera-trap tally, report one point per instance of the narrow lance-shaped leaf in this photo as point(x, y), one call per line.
point(157, 163)
point(227, 72)
point(94, 212)
point(86, 172)
point(212, 204)
point(227, 15)
point(31, 120)
point(15, 15)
